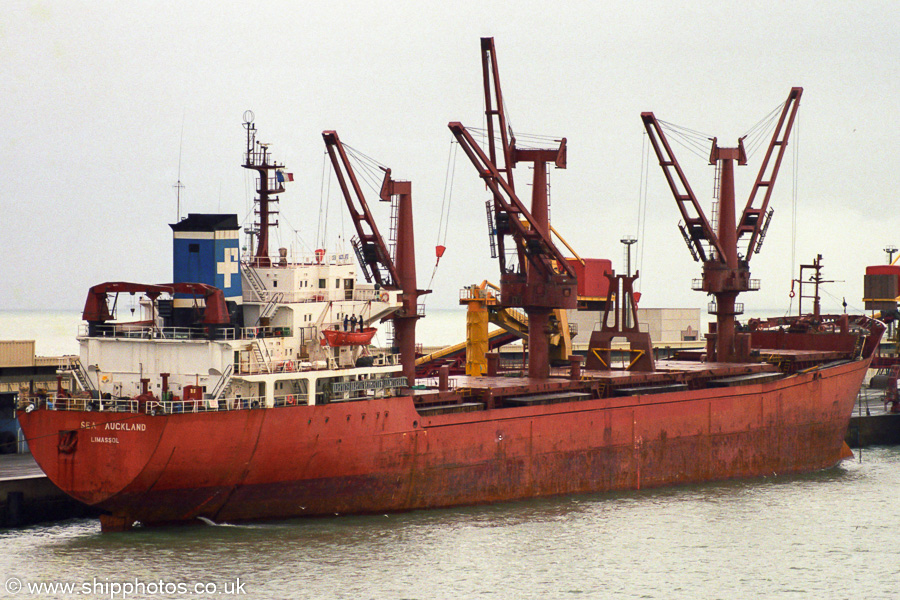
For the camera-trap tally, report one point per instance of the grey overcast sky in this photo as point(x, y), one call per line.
point(95, 95)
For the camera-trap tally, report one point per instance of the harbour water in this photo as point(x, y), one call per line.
point(830, 534)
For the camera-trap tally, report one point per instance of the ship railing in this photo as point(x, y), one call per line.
point(185, 405)
point(178, 405)
point(370, 295)
point(305, 260)
point(67, 362)
point(290, 399)
point(475, 292)
point(434, 382)
point(713, 308)
point(280, 365)
point(182, 405)
point(64, 403)
point(323, 295)
point(510, 365)
point(251, 333)
point(386, 359)
point(155, 407)
point(125, 331)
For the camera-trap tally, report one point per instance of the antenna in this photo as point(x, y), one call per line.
point(178, 185)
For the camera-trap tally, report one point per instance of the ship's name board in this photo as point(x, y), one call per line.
point(115, 426)
point(339, 387)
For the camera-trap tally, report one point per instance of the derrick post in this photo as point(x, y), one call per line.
point(405, 260)
point(538, 316)
point(723, 277)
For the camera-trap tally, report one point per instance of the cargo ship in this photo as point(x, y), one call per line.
point(249, 389)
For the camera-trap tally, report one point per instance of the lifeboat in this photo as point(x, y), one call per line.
point(337, 337)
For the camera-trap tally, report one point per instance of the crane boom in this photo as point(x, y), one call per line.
point(751, 221)
point(495, 111)
point(698, 229)
point(376, 259)
point(532, 241)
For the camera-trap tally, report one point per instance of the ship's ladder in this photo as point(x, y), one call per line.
point(270, 308)
point(256, 282)
point(263, 358)
point(224, 384)
point(392, 231)
point(369, 260)
point(81, 376)
point(388, 329)
point(299, 391)
point(492, 229)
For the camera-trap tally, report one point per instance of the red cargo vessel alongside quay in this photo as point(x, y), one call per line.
point(227, 401)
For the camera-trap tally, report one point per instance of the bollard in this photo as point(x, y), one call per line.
point(444, 378)
point(493, 364)
point(575, 367)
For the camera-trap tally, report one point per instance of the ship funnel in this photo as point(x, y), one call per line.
point(206, 249)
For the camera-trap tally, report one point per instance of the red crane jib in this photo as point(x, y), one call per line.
point(97, 310)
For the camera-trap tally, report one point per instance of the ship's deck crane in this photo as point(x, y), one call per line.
point(725, 272)
point(543, 280)
point(397, 273)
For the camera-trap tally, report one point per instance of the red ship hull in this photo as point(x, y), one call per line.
point(382, 455)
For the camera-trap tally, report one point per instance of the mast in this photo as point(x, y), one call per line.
point(257, 159)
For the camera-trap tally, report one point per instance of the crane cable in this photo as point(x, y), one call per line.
point(444, 221)
point(642, 202)
point(324, 196)
point(795, 173)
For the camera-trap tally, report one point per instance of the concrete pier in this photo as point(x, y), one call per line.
point(871, 424)
point(27, 496)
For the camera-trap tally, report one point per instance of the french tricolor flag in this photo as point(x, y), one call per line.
point(281, 176)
